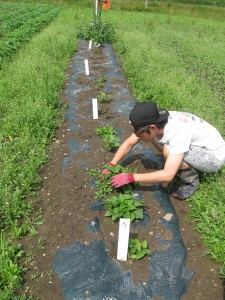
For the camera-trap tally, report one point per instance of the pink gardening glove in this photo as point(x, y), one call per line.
point(106, 171)
point(121, 179)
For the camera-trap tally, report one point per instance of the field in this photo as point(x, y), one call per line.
point(173, 58)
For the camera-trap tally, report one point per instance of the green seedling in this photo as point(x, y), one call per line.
point(100, 81)
point(41, 244)
point(107, 133)
point(36, 276)
point(124, 206)
point(87, 294)
point(49, 274)
point(104, 187)
point(137, 249)
point(103, 97)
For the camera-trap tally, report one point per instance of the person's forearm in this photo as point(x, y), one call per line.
point(153, 177)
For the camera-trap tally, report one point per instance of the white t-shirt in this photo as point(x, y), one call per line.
point(185, 129)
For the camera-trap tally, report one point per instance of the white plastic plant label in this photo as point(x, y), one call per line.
point(95, 108)
point(86, 66)
point(90, 45)
point(123, 239)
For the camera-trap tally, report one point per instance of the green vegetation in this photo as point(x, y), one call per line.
point(166, 6)
point(107, 133)
point(100, 82)
point(172, 54)
point(19, 23)
point(104, 187)
point(137, 249)
point(103, 97)
point(10, 273)
point(30, 111)
point(124, 206)
point(98, 31)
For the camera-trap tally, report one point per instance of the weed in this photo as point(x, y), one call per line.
point(104, 187)
point(103, 97)
point(41, 244)
point(36, 276)
point(49, 274)
point(87, 294)
point(99, 82)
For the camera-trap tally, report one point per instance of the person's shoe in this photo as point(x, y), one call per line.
point(190, 184)
point(173, 185)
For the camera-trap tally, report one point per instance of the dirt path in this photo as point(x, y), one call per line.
point(76, 242)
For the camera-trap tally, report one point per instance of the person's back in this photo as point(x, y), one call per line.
point(185, 129)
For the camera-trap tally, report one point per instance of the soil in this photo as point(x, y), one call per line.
point(66, 194)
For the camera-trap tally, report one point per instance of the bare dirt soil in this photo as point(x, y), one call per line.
point(66, 195)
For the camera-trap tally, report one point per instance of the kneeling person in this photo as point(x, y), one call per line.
point(189, 145)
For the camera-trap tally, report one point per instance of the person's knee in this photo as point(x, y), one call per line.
point(184, 166)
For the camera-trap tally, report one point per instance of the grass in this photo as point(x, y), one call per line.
point(195, 8)
point(30, 113)
point(170, 56)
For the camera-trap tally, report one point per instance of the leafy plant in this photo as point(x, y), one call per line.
point(103, 97)
point(124, 206)
point(107, 133)
point(137, 249)
point(10, 272)
point(104, 187)
point(99, 82)
point(98, 31)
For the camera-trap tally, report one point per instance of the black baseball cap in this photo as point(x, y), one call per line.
point(147, 113)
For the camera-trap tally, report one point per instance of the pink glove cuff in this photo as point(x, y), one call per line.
point(130, 177)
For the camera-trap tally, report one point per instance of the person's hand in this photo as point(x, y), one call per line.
point(121, 179)
point(106, 171)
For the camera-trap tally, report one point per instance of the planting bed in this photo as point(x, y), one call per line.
point(75, 249)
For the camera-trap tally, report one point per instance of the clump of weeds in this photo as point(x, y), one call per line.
point(103, 97)
point(100, 82)
point(103, 183)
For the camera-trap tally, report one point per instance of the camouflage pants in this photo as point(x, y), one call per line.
point(202, 159)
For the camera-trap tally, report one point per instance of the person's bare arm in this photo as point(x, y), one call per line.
point(171, 167)
point(125, 148)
